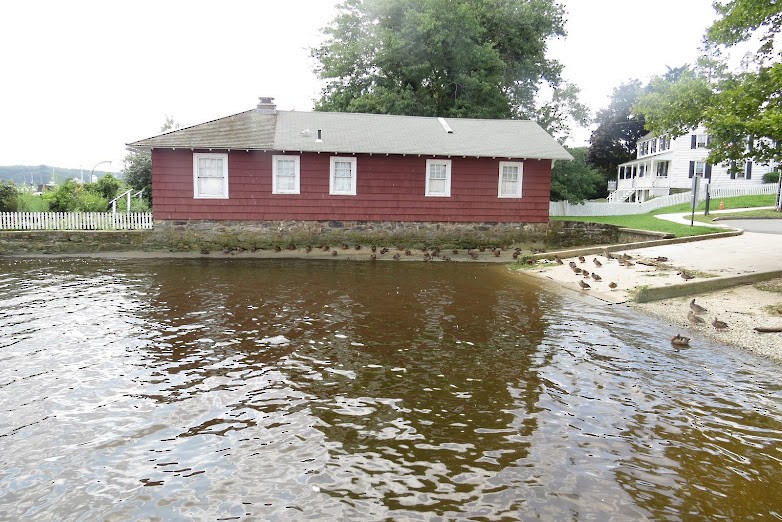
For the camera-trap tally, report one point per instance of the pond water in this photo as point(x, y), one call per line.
point(293, 390)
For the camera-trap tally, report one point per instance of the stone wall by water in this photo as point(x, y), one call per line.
point(182, 236)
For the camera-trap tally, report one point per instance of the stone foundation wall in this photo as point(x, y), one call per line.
point(183, 236)
point(193, 235)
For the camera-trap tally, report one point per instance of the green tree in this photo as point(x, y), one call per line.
point(138, 165)
point(742, 110)
point(575, 181)
point(618, 130)
point(8, 196)
point(450, 58)
point(107, 187)
point(64, 198)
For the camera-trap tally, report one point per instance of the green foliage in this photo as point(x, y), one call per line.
point(575, 181)
point(451, 58)
point(771, 177)
point(618, 130)
point(8, 196)
point(91, 202)
point(107, 186)
point(138, 172)
point(63, 198)
point(646, 222)
point(28, 202)
point(742, 111)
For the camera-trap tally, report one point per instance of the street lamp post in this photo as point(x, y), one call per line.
point(99, 163)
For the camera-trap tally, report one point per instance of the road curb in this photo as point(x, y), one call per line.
point(648, 294)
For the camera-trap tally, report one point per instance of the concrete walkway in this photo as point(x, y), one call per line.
point(654, 273)
point(683, 218)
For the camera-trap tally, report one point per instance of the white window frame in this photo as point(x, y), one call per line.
point(447, 163)
point(296, 173)
point(203, 155)
point(702, 172)
point(332, 164)
point(517, 192)
point(701, 141)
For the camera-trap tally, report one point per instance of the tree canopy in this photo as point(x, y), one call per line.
point(575, 181)
point(742, 110)
point(450, 58)
point(618, 130)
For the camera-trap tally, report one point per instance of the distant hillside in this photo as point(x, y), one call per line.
point(43, 174)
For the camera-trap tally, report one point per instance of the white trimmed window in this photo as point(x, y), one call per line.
point(438, 178)
point(342, 180)
point(210, 176)
point(510, 180)
point(285, 174)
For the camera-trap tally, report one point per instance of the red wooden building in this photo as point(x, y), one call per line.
point(269, 165)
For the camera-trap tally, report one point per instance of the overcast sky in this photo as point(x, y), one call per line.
point(82, 78)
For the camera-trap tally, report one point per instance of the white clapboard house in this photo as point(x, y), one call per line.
point(665, 165)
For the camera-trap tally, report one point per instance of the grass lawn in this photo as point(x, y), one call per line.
point(650, 222)
point(763, 200)
point(645, 222)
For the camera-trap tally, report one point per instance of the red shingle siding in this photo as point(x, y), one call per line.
point(389, 188)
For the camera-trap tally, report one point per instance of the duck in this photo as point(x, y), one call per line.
point(344, 246)
point(597, 262)
point(357, 247)
point(581, 259)
point(612, 286)
point(719, 325)
point(308, 249)
point(680, 340)
point(333, 252)
point(609, 255)
point(373, 257)
point(684, 275)
point(374, 248)
point(497, 253)
point(694, 319)
point(585, 273)
point(558, 260)
point(384, 250)
point(408, 252)
point(455, 251)
point(698, 309)
point(661, 259)
point(596, 277)
point(396, 257)
point(576, 270)
point(277, 248)
point(583, 285)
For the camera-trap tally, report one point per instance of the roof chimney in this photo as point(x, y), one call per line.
point(266, 105)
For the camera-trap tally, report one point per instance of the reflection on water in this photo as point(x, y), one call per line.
point(290, 390)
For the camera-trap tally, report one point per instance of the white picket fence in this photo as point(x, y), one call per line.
point(600, 208)
point(75, 221)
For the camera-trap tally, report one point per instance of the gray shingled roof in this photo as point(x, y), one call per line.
point(365, 133)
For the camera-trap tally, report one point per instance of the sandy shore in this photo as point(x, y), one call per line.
point(743, 308)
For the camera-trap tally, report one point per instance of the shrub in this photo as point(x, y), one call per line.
point(91, 202)
point(26, 202)
point(8, 196)
point(771, 177)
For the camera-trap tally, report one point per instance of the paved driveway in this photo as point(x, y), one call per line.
point(762, 226)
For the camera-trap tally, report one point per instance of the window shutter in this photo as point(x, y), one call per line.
point(749, 170)
point(707, 171)
point(732, 169)
point(692, 164)
point(693, 142)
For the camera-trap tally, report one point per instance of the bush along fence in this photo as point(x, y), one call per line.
point(75, 221)
point(595, 208)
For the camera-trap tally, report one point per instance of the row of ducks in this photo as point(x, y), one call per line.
point(694, 316)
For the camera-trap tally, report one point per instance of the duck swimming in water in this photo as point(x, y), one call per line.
point(680, 340)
